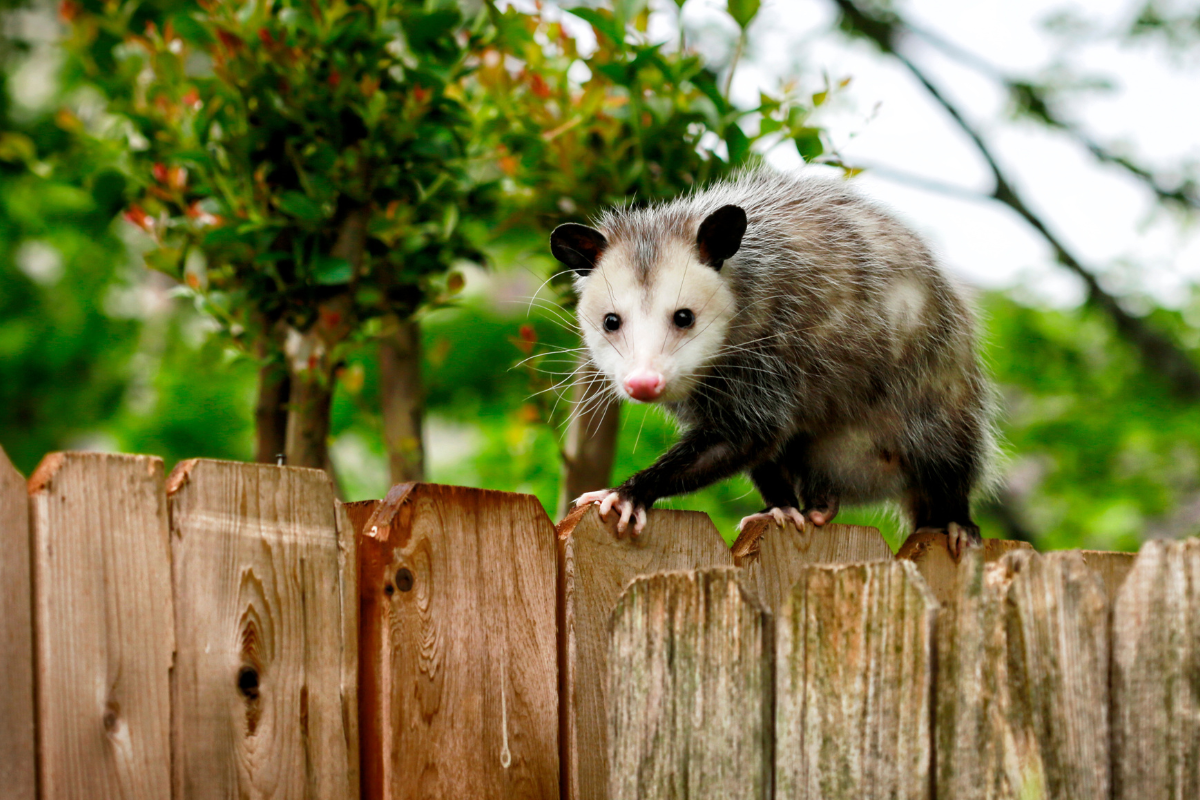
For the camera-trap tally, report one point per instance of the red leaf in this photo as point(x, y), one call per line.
point(68, 10)
point(335, 78)
point(233, 43)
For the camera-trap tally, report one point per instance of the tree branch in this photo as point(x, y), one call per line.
point(1158, 352)
point(1034, 100)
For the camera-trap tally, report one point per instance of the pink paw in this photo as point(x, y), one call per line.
point(608, 500)
point(779, 515)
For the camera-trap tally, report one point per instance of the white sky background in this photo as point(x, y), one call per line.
point(886, 119)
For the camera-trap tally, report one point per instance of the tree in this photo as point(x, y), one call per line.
point(300, 168)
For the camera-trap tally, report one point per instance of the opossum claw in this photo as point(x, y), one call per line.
point(593, 497)
point(778, 515)
point(960, 537)
point(608, 500)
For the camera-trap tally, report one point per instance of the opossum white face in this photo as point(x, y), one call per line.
point(654, 309)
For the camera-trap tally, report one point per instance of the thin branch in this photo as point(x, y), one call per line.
point(1159, 352)
point(1033, 99)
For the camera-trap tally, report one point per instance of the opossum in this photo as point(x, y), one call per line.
point(799, 333)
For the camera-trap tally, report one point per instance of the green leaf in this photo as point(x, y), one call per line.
point(737, 142)
point(330, 271)
point(743, 11)
point(602, 21)
point(300, 206)
point(808, 142)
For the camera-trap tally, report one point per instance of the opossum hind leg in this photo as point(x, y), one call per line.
point(944, 507)
point(775, 484)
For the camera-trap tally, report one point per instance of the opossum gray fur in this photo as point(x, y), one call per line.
point(799, 333)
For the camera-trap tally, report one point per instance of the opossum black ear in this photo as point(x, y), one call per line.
point(720, 235)
point(577, 246)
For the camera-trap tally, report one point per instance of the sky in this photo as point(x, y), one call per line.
point(886, 121)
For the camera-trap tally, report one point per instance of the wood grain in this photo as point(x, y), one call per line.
point(593, 567)
point(104, 626)
point(939, 568)
point(773, 557)
point(264, 687)
point(17, 771)
point(458, 691)
point(1156, 675)
point(854, 684)
point(1056, 622)
point(1111, 566)
point(690, 683)
point(975, 756)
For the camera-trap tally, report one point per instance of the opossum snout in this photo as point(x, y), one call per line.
point(644, 384)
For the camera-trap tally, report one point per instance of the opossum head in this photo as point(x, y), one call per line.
point(654, 304)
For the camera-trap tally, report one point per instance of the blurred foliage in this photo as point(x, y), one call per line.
point(240, 142)
point(258, 133)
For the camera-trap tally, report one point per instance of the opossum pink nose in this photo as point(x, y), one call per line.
point(643, 384)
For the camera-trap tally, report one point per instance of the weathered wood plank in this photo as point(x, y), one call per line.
point(975, 756)
point(773, 557)
point(1056, 621)
point(265, 682)
point(1111, 566)
point(1156, 675)
point(593, 567)
point(17, 771)
point(939, 568)
point(104, 626)
point(458, 690)
point(691, 685)
point(854, 684)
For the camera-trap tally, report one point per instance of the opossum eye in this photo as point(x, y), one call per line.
point(684, 318)
point(611, 322)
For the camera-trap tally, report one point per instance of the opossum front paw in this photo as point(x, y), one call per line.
point(780, 515)
point(608, 500)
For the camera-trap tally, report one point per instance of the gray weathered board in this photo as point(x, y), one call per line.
point(773, 556)
point(1156, 675)
point(1022, 680)
point(690, 689)
point(105, 626)
point(17, 771)
point(854, 684)
point(941, 570)
point(458, 691)
point(265, 680)
point(593, 567)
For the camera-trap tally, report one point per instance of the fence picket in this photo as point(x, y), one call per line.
point(690, 682)
point(104, 626)
point(17, 772)
point(1112, 568)
point(1056, 625)
point(458, 679)
point(1156, 675)
point(773, 557)
point(854, 684)
point(264, 687)
point(975, 753)
point(928, 551)
point(593, 567)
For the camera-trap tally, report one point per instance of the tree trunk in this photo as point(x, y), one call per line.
point(311, 379)
point(402, 401)
point(591, 443)
point(270, 412)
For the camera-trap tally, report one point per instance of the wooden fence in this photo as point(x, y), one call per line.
point(231, 630)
